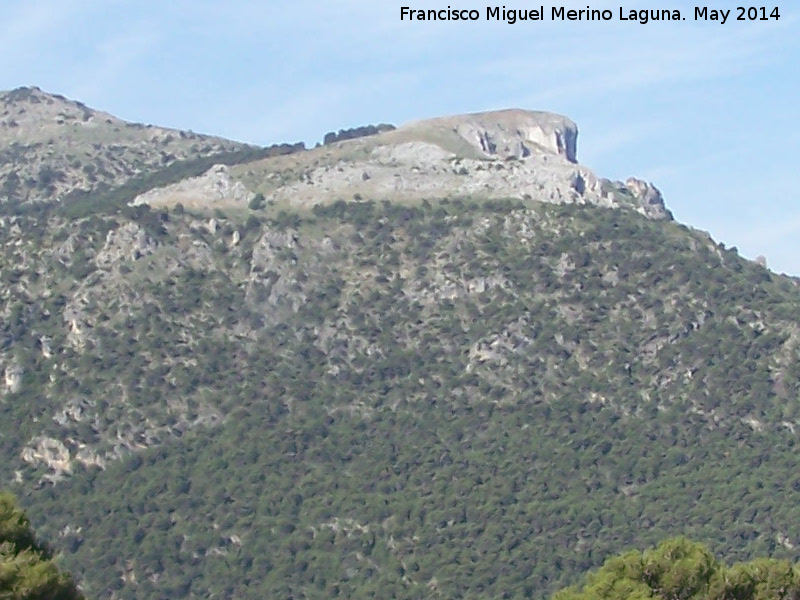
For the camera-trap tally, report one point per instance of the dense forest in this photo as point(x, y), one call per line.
point(455, 398)
point(676, 569)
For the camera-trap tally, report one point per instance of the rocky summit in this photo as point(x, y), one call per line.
point(505, 154)
point(438, 361)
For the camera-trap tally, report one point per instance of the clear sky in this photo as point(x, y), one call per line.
point(706, 111)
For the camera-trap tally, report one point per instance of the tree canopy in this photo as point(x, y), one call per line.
point(27, 571)
point(679, 569)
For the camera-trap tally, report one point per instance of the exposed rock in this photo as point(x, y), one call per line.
point(90, 459)
point(50, 452)
point(44, 344)
point(13, 378)
point(74, 411)
point(505, 154)
point(214, 188)
point(129, 242)
point(512, 133)
point(270, 283)
point(648, 195)
point(414, 154)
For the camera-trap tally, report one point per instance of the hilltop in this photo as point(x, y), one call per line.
point(51, 146)
point(506, 154)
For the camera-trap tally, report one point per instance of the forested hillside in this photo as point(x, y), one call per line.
point(445, 399)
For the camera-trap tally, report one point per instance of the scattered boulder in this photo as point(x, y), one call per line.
point(13, 378)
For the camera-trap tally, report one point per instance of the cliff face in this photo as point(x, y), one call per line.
point(513, 133)
point(522, 154)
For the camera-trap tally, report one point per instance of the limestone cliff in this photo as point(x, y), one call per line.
point(510, 133)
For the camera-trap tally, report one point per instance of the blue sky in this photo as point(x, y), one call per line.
point(708, 112)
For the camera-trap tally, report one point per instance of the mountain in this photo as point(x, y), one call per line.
point(51, 146)
point(425, 362)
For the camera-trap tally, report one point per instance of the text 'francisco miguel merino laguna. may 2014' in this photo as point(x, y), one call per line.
point(560, 13)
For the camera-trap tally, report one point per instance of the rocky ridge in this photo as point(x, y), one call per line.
point(516, 154)
point(51, 146)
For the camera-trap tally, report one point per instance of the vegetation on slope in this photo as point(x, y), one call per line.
point(454, 399)
point(27, 571)
point(356, 132)
point(87, 203)
point(681, 570)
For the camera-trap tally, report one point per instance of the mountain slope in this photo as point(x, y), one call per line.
point(402, 397)
point(51, 146)
point(427, 397)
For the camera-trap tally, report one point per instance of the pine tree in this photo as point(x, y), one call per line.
point(27, 571)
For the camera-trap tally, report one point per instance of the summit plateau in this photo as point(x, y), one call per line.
point(504, 154)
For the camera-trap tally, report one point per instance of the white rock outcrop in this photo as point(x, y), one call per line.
point(50, 452)
point(129, 242)
point(511, 133)
point(214, 188)
point(527, 155)
point(13, 378)
point(519, 154)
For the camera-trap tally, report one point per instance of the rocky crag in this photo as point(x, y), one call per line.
point(515, 154)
